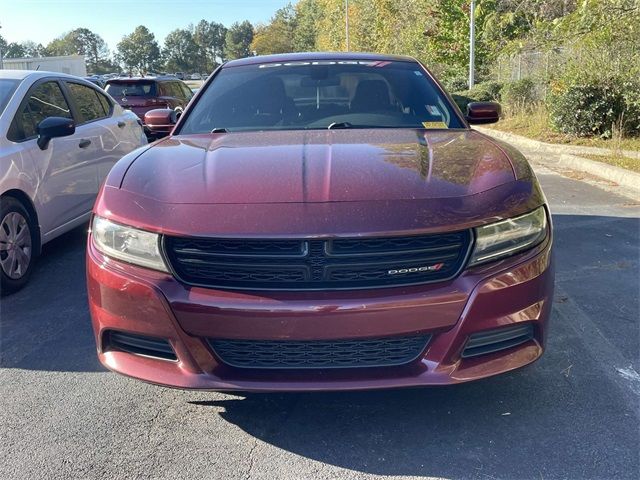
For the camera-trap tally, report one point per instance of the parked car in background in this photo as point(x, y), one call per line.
point(195, 76)
point(96, 80)
point(59, 136)
point(179, 75)
point(321, 221)
point(141, 94)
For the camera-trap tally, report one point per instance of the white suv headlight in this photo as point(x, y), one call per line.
point(507, 237)
point(127, 244)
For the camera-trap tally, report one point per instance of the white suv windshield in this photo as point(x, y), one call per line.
point(320, 95)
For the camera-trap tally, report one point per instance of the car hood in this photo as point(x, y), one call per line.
point(318, 166)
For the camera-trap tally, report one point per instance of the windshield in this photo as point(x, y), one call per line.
point(320, 95)
point(131, 89)
point(7, 87)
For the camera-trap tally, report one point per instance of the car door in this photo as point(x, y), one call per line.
point(66, 184)
point(107, 134)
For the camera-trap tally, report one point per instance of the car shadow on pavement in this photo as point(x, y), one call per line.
point(533, 423)
point(46, 325)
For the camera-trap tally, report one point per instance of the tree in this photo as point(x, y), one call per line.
point(210, 39)
point(139, 50)
point(181, 53)
point(33, 49)
point(81, 41)
point(277, 35)
point(238, 40)
point(14, 50)
point(307, 16)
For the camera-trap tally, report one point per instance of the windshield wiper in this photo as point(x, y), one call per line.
point(339, 125)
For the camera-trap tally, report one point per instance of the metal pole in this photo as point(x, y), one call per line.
point(472, 43)
point(346, 15)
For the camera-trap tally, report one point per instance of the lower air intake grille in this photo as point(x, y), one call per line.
point(491, 341)
point(375, 352)
point(139, 345)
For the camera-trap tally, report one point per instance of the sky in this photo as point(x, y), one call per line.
point(43, 20)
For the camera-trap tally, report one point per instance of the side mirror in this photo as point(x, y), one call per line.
point(160, 121)
point(53, 127)
point(483, 112)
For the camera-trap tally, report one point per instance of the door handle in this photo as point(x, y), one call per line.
point(84, 143)
point(121, 124)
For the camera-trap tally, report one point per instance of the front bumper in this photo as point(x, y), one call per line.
point(126, 298)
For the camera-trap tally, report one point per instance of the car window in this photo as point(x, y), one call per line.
point(106, 103)
point(7, 87)
point(133, 88)
point(43, 101)
point(316, 95)
point(178, 90)
point(87, 102)
point(174, 88)
point(186, 91)
point(167, 91)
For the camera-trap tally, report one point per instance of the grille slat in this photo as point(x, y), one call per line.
point(319, 354)
point(317, 264)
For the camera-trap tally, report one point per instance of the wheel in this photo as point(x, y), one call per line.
point(17, 238)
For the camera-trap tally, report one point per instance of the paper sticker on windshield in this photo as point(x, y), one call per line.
point(434, 125)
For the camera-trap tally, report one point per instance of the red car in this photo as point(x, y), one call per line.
point(320, 222)
point(141, 94)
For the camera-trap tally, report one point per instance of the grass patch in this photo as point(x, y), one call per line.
point(617, 160)
point(535, 125)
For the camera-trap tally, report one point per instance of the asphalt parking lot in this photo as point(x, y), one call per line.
point(574, 414)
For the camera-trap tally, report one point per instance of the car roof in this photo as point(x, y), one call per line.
point(33, 74)
point(310, 56)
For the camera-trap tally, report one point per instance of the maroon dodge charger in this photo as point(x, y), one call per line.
point(320, 221)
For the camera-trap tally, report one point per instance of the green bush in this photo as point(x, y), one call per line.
point(519, 95)
point(486, 91)
point(455, 84)
point(481, 92)
point(595, 107)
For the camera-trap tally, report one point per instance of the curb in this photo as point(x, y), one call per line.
point(618, 175)
point(543, 147)
point(621, 176)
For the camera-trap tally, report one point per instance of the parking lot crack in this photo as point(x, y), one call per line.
point(251, 459)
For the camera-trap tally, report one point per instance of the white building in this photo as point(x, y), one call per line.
point(71, 64)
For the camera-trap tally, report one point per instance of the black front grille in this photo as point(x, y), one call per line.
point(317, 264)
point(138, 344)
point(320, 354)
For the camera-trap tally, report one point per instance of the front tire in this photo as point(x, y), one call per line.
point(17, 241)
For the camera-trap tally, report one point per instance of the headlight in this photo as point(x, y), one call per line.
point(508, 237)
point(128, 244)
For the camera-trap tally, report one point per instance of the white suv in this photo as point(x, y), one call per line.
point(59, 137)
